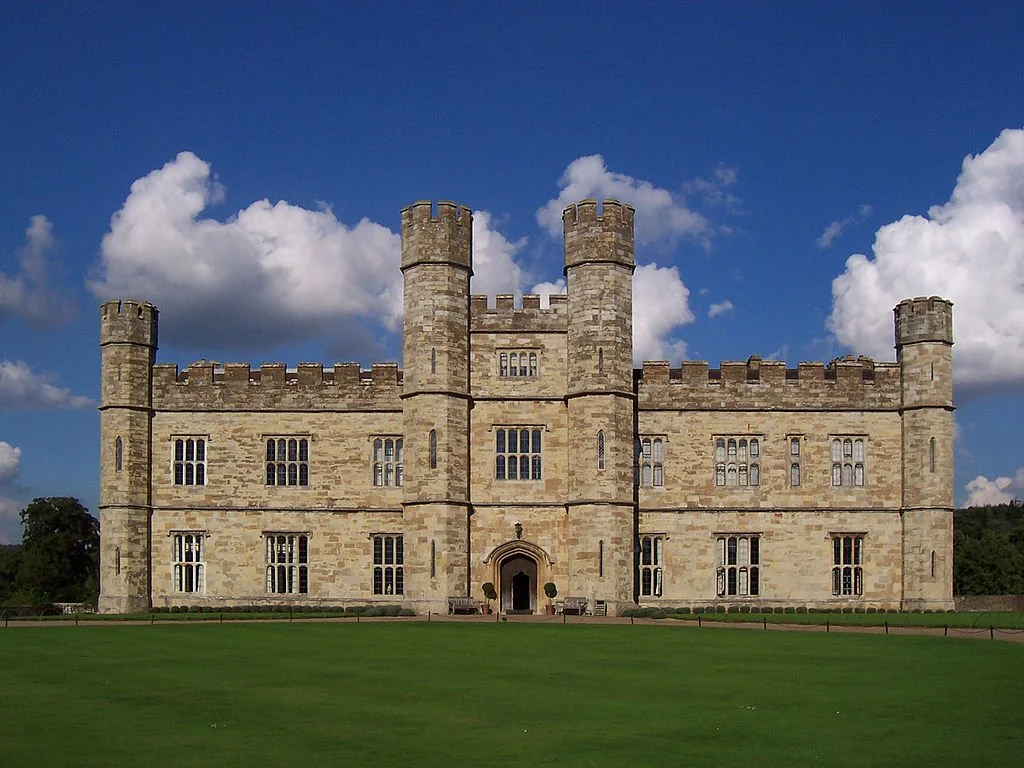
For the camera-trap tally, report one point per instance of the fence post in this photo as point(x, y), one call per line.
point(945, 630)
point(827, 627)
point(887, 626)
point(698, 621)
point(991, 632)
point(764, 621)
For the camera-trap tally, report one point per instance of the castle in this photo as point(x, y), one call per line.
point(520, 446)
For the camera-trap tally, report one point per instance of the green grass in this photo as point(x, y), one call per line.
point(963, 619)
point(450, 694)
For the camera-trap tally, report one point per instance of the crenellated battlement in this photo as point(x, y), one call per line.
point(444, 236)
point(309, 386)
point(923, 319)
point(128, 321)
point(592, 237)
point(614, 216)
point(846, 383)
point(505, 316)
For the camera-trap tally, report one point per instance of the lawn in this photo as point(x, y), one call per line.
point(448, 694)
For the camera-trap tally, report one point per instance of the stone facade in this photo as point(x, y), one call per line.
point(520, 446)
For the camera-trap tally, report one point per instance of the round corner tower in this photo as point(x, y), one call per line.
point(436, 266)
point(128, 343)
point(601, 402)
point(924, 351)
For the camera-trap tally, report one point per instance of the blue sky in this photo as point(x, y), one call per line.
point(243, 167)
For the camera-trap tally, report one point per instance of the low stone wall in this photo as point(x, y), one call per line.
point(989, 602)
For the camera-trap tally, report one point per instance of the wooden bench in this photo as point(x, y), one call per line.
point(463, 605)
point(575, 605)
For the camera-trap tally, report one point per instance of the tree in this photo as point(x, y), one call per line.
point(10, 557)
point(988, 550)
point(60, 552)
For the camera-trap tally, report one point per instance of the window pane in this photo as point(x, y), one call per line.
point(755, 581)
point(794, 474)
point(731, 551)
point(293, 474)
point(856, 550)
point(513, 440)
point(303, 579)
point(645, 581)
point(743, 474)
point(731, 475)
point(755, 474)
point(389, 550)
point(658, 450)
point(659, 475)
point(742, 450)
point(179, 474)
point(646, 449)
point(499, 441)
point(189, 474)
point(200, 450)
point(744, 582)
point(282, 449)
point(858, 474)
point(755, 448)
point(836, 580)
point(837, 451)
point(731, 445)
point(399, 581)
point(536, 468)
point(399, 550)
point(743, 551)
point(524, 467)
point(303, 549)
point(378, 550)
point(755, 550)
point(282, 470)
point(190, 450)
point(303, 474)
point(513, 364)
point(389, 474)
point(378, 581)
point(847, 550)
point(378, 474)
point(270, 474)
point(847, 474)
point(524, 441)
point(658, 543)
point(303, 450)
point(720, 450)
point(731, 581)
point(399, 450)
point(378, 450)
point(645, 550)
point(389, 450)
point(858, 450)
point(794, 447)
point(533, 364)
point(270, 450)
point(847, 448)
point(837, 474)
point(657, 582)
point(503, 364)
point(179, 450)
point(499, 468)
point(720, 474)
point(858, 581)
point(200, 474)
point(536, 441)
point(645, 476)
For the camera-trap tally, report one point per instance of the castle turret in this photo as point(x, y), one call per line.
point(437, 266)
point(128, 341)
point(924, 350)
point(601, 506)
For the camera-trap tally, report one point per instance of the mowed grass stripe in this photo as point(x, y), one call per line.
point(497, 694)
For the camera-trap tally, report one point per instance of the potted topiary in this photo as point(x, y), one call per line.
point(490, 593)
point(551, 591)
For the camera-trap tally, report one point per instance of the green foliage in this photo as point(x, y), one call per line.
point(10, 558)
point(489, 591)
point(550, 590)
point(60, 551)
point(988, 550)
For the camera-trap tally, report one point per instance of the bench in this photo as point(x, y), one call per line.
point(463, 605)
point(575, 605)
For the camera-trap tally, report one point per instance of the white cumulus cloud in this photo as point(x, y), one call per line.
point(10, 462)
point(720, 308)
point(1001, 490)
point(270, 273)
point(494, 258)
point(660, 306)
point(29, 294)
point(660, 216)
point(22, 388)
point(544, 290)
point(969, 250)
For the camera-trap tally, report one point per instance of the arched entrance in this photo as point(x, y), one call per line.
point(518, 574)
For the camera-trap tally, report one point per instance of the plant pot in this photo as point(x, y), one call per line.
point(485, 609)
point(549, 609)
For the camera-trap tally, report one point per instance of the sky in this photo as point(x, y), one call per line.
point(797, 170)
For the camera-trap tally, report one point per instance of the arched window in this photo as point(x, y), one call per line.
point(755, 474)
point(794, 474)
point(119, 454)
point(720, 474)
point(388, 460)
point(600, 449)
point(837, 474)
point(533, 363)
point(513, 364)
point(432, 449)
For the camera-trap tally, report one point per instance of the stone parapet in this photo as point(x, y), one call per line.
point(236, 386)
point(505, 317)
point(845, 384)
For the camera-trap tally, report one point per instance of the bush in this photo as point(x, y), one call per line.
point(872, 610)
point(371, 611)
point(407, 612)
point(699, 609)
point(173, 609)
point(789, 609)
point(801, 609)
point(684, 610)
point(858, 610)
point(847, 610)
point(733, 609)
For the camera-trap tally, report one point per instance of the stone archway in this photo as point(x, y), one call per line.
point(518, 584)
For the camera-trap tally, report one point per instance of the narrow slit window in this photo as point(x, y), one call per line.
point(432, 450)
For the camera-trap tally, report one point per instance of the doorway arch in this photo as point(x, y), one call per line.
point(518, 583)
